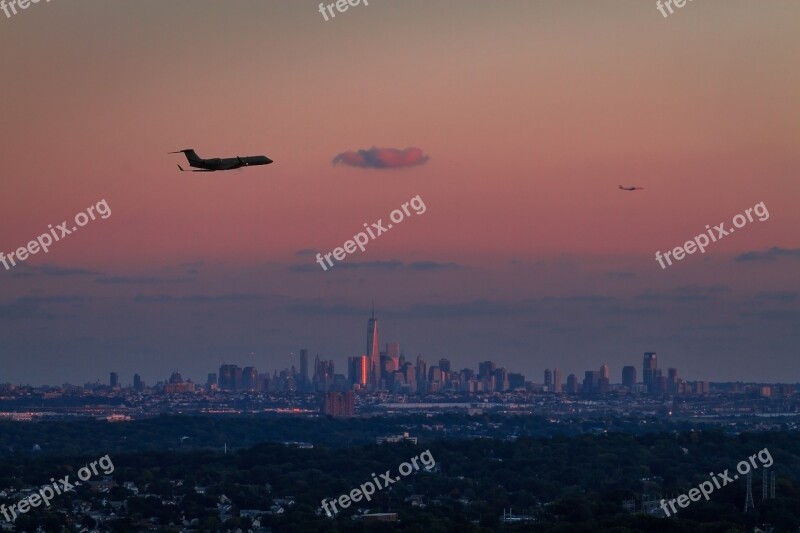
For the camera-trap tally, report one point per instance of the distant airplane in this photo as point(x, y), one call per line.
point(630, 188)
point(212, 165)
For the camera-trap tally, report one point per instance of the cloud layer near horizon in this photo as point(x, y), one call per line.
point(382, 158)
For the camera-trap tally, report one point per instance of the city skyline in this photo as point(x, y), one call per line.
point(371, 370)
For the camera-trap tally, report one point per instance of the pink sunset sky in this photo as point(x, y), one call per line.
point(531, 114)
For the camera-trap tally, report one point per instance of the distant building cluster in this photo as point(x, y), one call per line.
point(176, 385)
point(389, 370)
point(653, 380)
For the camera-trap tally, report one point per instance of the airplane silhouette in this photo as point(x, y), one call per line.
point(212, 165)
point(629, 188)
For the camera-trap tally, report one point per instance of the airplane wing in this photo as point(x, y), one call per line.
point(184, 170)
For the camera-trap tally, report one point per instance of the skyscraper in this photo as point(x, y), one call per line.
point(604, 371)
point(501, 379)
point(572, 384)
point(227, 377)
point(249, 378)
point(591, 381)
point(358, 370)
point(485, 370)
point(323, 375)
point(649, 366)
point(556, 380)
point(373, 350)
point(114, 380)
point(434, 374)
point(393, 353)
point(516, 381)
point(548, 378)
point(422, 374)
point(672, 380)
point(361, 370)
point(137, 382)
point(304, 381)
point(629, 376)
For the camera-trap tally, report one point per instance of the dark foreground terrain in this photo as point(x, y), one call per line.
point(563, 482)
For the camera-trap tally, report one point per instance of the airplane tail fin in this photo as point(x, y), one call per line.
point(190, 154)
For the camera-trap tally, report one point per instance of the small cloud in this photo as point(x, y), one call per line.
point(139, 280)
point(205, 298)
point(30, 307)
point(51, 270)
point(431, 265)
point(382, 158)
point(686, 293)
point(778, 315)
point(588, 298)
point(772, 254)
point(721, 328)
point(51, 299)
point(314, 267)
point(372, 264)
point(705, 289)
point(23, 311)
point(393, 264)
point(127, 280)
point(698, 293)
point(779, 296)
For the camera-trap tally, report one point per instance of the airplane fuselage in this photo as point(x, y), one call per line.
point(228, 163)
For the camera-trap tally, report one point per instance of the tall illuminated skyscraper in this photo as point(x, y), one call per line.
point(373, 350)
point(358, 369)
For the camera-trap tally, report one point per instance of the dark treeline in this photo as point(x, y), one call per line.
point(569, 483)
point(214, 432)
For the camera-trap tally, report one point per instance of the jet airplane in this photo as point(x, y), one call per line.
point(630, 188)
point(212, 165)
